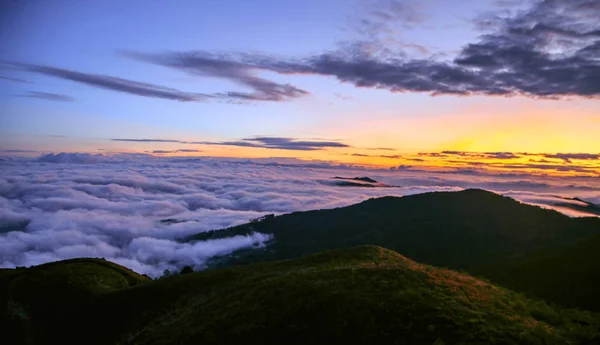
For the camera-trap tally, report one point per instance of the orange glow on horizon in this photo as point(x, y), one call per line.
point(480, 125)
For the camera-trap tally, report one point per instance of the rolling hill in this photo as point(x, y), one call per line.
point(32, 297)
point(458, 230)
point(358, 295)
point(472, 230)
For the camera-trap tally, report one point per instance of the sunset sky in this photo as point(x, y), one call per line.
point(429, 84)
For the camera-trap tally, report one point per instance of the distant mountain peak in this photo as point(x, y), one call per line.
point(356, 182)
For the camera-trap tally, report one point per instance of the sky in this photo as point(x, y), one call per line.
point(499, 85)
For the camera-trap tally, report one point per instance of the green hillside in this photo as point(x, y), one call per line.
point(569, 275)
point(32, 296)
point(362, 295)
point(458, 230)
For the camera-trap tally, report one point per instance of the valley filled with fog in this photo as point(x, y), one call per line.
point(134, 210)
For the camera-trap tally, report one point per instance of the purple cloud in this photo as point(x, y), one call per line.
point(48, 96)
point(115, 83)
point(517, 59)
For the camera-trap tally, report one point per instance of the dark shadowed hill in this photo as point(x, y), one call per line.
point(362, 179)
point(363, 295)
point(459, 230)
point(569, 275)
point(473, 230)
point(358, 182)
point(29, 297)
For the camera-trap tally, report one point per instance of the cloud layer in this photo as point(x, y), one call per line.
point(71, 205)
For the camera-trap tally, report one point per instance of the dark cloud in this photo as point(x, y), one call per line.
point(521, 56)
point(220, 66)
point(48, 96)
point(281, 143)
point(502, 161)
point(554, 167)
point(202, 64)
point(502, 155)
point(467, 171)
point(18, 151)
point(188, 150)
point(455, 153)
point(258, 142)
point(467, 154)
point(149, 140)
point(174, 151)
point(115, 83)
point(376, 156)
point(550, 50)
point(432, 154)
point(567, 157)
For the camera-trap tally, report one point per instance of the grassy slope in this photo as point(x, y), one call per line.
point(53, 290)
point(359, 295)
point(459, 230)
point(569, 275)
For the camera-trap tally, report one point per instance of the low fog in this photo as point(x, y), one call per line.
point(77, 205)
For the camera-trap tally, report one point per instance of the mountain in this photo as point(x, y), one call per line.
point(363, 179)
point(360, 295)
point(473, 230)
point(358, 182)
point(458, 230)
point(569, 274)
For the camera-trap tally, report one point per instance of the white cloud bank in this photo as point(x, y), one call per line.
point(66, 206)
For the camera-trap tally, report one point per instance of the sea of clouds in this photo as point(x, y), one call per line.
point(77, 205)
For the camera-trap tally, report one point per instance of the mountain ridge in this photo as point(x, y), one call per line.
point(427, 227)
point(473, 230)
